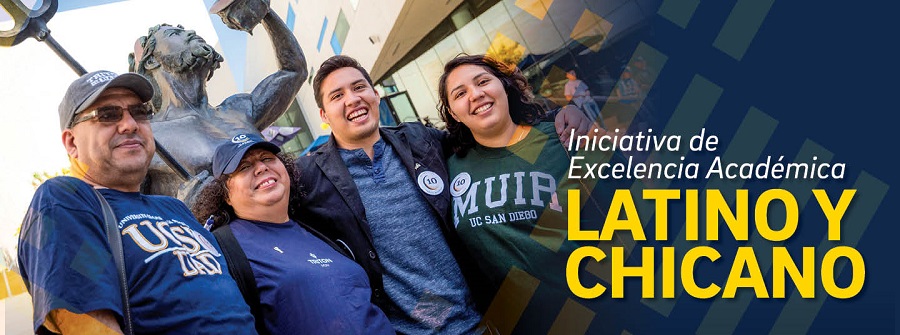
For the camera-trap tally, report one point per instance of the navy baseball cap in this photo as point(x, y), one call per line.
point(229, 154)
point(85, 90)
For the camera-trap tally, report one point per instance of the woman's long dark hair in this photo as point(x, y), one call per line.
point(211, 200)
point(522, 108)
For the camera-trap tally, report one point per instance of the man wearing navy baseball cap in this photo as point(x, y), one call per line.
point(177, 279)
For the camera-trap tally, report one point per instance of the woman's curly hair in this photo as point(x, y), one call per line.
point(522, 107)
point(211, 202)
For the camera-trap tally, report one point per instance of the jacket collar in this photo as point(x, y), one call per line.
point(329, 161)
point(401, 146)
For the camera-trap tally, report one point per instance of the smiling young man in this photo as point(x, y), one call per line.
point(383, 190)
point(178, 280)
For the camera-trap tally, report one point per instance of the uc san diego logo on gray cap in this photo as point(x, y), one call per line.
point(431, 183)
point(100, 78)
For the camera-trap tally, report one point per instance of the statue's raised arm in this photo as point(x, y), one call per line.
point(268, 98)
point(179, 63)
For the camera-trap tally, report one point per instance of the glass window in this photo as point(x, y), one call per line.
point(385, 115)
point(401, 86)
point(506, 50)
point(322, 34)
point(414, 83)
point(294, 117)
point(461, 16)
point(472, 39)
point(604, 8)
point(403, 107)
point(544, 40)
point(389, 85)
point(432, 68)
point(564, 15)
point(339, 36)
point(626, 17)
point(538, 36)
point(447, 50)
point(289, 21)
point(498, 20)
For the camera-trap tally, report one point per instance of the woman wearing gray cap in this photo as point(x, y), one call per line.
point(303, 282)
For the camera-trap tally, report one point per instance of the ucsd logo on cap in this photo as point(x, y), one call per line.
point(228, 155)
point(100, 78)
point(238, 139)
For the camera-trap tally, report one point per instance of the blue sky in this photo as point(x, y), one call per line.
point(232, 42)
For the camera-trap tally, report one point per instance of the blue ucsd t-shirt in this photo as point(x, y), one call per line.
point(178, 279)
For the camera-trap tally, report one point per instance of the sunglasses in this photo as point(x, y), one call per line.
point(112, 114)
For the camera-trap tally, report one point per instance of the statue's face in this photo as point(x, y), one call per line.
point(180, 50)
point(175, 40)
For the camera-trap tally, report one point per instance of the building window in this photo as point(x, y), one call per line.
point(461, 16)
point(322, 34)
point(291, 131)
point(290, 18)
point(390, 86)
point(341, 28)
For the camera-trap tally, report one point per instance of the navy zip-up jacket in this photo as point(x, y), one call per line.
point(331, 203)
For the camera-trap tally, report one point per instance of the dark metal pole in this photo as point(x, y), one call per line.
point(171, 162)
point(63, 54)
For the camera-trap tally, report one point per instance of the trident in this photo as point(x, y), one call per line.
point(33, 23)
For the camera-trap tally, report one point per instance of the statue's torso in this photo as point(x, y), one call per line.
point(192, 140)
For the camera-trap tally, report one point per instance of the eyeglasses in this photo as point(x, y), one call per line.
point(111, 114)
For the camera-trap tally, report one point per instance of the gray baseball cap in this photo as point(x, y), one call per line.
point(85, 90)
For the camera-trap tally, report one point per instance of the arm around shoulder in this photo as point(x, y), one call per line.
point(416, 132)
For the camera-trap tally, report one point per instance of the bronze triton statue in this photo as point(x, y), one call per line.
point(179, 63)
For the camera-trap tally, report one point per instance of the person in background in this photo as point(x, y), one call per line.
point(578, 93)
point(628, 91)
point(642, 73)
